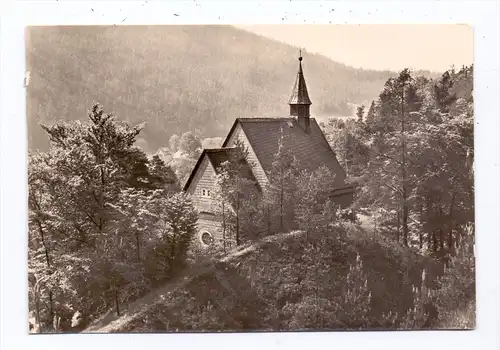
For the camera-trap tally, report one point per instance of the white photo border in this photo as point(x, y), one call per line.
point(482, 15)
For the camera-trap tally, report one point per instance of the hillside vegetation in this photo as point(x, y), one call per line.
point(111, 233)
point(177, 78)
point(291, 282)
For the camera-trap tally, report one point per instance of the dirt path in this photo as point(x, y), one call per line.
point(110, 322)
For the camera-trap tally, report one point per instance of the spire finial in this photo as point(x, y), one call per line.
point(300, 54)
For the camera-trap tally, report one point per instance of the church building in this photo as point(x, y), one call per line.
point(261, 138)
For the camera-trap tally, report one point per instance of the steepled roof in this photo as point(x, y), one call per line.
point(310, 149)
point(308, 145)
point(299, 93)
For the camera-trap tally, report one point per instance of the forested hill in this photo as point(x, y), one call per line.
point(177, 78)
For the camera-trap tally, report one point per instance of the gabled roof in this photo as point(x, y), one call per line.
point(217, 156)
point(299, 94)
point(310, 149)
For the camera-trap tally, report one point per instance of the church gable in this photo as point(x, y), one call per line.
point(201, 185)
point(237, 134)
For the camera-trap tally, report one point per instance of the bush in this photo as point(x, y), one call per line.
point(455, 297)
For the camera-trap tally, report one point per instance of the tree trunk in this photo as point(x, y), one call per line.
point(268, 219)
point(281, 203)
point(237, 219)
point(51, 305)
point(137, 245)
point(173, 250)
point(223, 228)
point(421, 233)
point(441, 229)
point(56, 323)
point(117, 302)
point(37, 312)
point(434, 241)
point(399, 225)
point(47, 260)
point(101, 198)
point(428, 220)
point(450, 225)
point(403, 172)
point(42, 236)
point(405, 221)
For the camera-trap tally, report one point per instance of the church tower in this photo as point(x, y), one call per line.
point(299, 100)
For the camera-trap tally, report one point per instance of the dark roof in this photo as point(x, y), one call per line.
point(217, 156)
point(310, 149)
point(299, 92)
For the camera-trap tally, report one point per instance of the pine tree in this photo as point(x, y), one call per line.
point(237, 192)
point(442, 90)
point(370, 118)
point(348, 139)
point(360, 114)
point(391, 151)
point(280, 195)
point(162, 175)
point(177, 227)
point(314, 205)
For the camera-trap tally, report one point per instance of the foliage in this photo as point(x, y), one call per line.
point(455, 298)
point(179, 157)
point(356, 303)
point(346, 137)
point(190, 145)
point(412, 157)
point(176, 228)
point(95, 206)
point(292, 282)
point(417, 316)
point(238, 197)
point(313, 209)
point(163, 176)
point(280, 194)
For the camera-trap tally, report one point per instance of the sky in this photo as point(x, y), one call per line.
point(434, 47)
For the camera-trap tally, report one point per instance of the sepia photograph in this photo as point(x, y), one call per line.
point(250, 178)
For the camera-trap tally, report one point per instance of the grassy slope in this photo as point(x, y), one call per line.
point(177, 78)
point(258, 286)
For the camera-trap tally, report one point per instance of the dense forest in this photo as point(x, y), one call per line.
point(177, 78)
point(110, 231)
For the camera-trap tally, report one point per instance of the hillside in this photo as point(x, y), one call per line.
point(271, 284)
point(177, 78)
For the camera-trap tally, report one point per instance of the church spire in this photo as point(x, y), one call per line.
point(299, 100)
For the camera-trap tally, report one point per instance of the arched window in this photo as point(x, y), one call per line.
point(206, 238)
